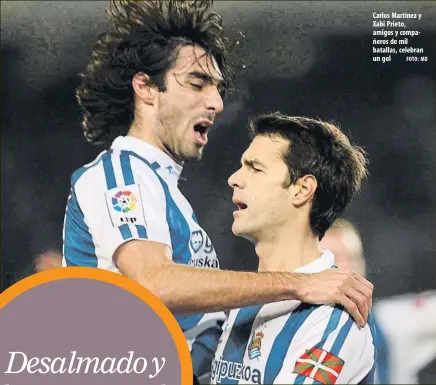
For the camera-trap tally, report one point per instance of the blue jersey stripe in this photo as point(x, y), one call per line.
point(194, 217)
point(111, 181)
point(109, 170)
point(284, 339)
point(79, 248)
point(126, 168)
point(300, 379)
point(382, 353)
point(187, 322)
point(179, 228)
point(142, 231)
point(125, 231)
point(154, 166)
point(239, 337)
point(340, 339)
point(333, 323)
point(369, 378)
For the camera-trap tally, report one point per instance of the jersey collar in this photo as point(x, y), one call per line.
point(160, 161)
point(324, 262)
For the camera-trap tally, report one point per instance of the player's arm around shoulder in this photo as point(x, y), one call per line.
point(330, 348)
point(184, 289)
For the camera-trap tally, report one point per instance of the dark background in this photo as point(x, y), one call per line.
point(302, 58)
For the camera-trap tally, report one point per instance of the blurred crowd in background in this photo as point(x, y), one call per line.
point(301, 58)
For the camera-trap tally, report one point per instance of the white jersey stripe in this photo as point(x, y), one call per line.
point(115, 159)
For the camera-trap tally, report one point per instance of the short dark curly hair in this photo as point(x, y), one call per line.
point(324, 151)
point(146, 37)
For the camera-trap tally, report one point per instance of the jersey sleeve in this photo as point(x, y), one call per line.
point(122, 199)
point(332, 350)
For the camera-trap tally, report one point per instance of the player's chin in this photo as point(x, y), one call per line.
point(244, 233)
point(238, 229)
point(193, 155)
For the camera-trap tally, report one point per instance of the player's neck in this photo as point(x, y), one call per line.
point(289, 250)
point(139, 130)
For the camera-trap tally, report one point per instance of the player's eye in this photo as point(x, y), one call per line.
point(197, 86)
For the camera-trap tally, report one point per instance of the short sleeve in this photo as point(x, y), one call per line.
point(334, 351)
point(120, 205)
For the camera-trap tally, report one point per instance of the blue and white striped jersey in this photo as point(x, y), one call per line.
point(290, 342)
point(131, 192)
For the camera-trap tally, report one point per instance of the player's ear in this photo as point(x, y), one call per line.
point(144, 88)
point(305, 188)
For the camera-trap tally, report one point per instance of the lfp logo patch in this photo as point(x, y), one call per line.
point(124, 205)
point(124, 201)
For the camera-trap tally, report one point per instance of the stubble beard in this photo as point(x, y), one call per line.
point(183, 153)
point(194, 157)
point(178, 147)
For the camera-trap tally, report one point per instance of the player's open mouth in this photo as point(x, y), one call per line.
point(201, 128)
point(241, 205)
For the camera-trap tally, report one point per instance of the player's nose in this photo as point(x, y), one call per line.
point(214, 101)
point(235, 179)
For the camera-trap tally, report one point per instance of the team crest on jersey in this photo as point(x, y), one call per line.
point(255, 346)
point(320, 365)
point(196, 240)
